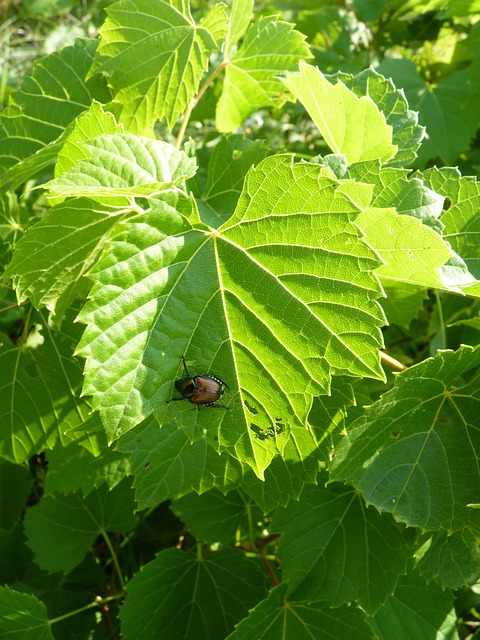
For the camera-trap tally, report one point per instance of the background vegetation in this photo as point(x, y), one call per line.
point(285, 194)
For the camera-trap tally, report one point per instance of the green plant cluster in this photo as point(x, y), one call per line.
point(280, 197)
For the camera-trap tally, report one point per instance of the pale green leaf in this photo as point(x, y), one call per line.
point(241, 12)
point(122, 164)
point(403, 302)
point(270, 48)
point(172, 594)
point(407, 134)
point(92, 123)
point(62, 528)
point(155, 56)
point(23, 616)
point(330, 528)
point(285, 260)
point(280, 618)
point(415, 451)
point(350, 125)
point(411, 251)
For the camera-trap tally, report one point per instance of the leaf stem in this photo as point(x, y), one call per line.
point(108, 542)
point(194, 101)
point(391, 362)
point(98, 602)
point(443, 336)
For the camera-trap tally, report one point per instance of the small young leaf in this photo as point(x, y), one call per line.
point(350, 125)
point(270, 47)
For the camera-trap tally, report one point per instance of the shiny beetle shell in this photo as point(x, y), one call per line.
point(204, 389)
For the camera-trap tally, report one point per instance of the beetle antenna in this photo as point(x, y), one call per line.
point(185, 366)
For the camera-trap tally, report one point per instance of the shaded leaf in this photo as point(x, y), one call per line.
point(177, 596)
point(62, 528)
point(326, 549)
point(280, 618)
point(415, 451)
point(22, 613)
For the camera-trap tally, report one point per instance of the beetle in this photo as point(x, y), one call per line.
point(204, 389)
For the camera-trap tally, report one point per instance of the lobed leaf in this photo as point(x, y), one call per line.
point(155, 55)
point(349, 124)
point(23, 613)
point(255, 303)
point(270, 47)
point(415, 451)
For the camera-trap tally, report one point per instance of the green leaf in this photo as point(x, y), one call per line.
point(280, 618)
point(450, 560)
point(448, 109)
point(54, 254)
point(22, 613)
point(411, 251)
point(167, 465)
point(416, 610)
point(460, 217)
point(215, 518)
point(92, 123)
point(349, 124)
point(144, 46)
point(270, 47)
point(240, 15)
point(235, 291)
point(407, 133)
point(49, 99)
point(415, 451)
point(409, 196)
point(16, 484)
point(73, 468)
point(39, 396)
point(230, 160)
point(403, 303)
point(122, 164)
point(62, 528)
point(177, 596)
point(330, 528)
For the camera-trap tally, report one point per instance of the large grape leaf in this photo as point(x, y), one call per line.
point(407, 133)
point(155, 56)
point(172, 595)
point(415, 451)
point(255, 302)
point(270, 47)
point(50, 98)
point(330, 528)
point(349, 124)
point(281, 618)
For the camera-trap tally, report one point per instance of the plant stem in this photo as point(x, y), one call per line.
point(97, 603)
point(443, 336)
point(108, 542)
point(194, 101)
